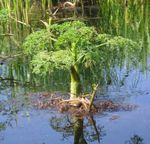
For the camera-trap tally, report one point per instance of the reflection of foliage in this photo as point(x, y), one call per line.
point(66, 125)
point(2, 126)
point(9, 108)
point(97, 131)
point(1, 107)
point(135, 140)
point(7, 117)
point(62, 124)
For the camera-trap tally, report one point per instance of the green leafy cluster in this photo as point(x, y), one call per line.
point(38, 41)
point(73, 39)
point(76, 33)
point(44, 61)
point(117, 49)
point(74, 43)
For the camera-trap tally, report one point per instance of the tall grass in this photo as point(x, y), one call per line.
point(129, 18)
point(116, 14)
point(20, 15)
point(121, 17)
point(21, 9)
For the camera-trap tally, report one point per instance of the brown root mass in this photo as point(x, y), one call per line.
point(80, 106)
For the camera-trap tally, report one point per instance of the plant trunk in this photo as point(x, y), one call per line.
point(75, 88)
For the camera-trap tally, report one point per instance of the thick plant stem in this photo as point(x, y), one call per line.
point(75, 88)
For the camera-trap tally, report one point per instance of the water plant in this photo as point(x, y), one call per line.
point(74, 46)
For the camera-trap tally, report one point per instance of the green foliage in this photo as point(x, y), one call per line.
point(62, 59)
point(73, 41)
point(60, 29)
point(75, 37)
point(38, 41)
point(42, 62)
point(78, 35)
point(77, 44)
point(4, 16)
point(117, 49)
point(45, 61)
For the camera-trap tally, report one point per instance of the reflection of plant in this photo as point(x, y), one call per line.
point(70, 126)
point(135, 140)
point(63, 125)
point(75, 47)
point(2, 126)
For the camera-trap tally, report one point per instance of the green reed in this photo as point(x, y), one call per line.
point(20, 15)
point(129, 18)
point(21, 9)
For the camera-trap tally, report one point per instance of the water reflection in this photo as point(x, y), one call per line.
point(135, 139)
point(84, 130)
point(78, 131)
point(8, 117)
point(10, 106)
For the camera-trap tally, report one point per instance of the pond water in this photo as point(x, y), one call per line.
point(22, 122)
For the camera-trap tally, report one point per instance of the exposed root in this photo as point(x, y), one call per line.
point(80, 106)
point(77, 102)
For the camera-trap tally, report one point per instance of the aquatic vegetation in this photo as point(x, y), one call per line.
point(40, 40)
point(77, 53)
point(76, 46)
